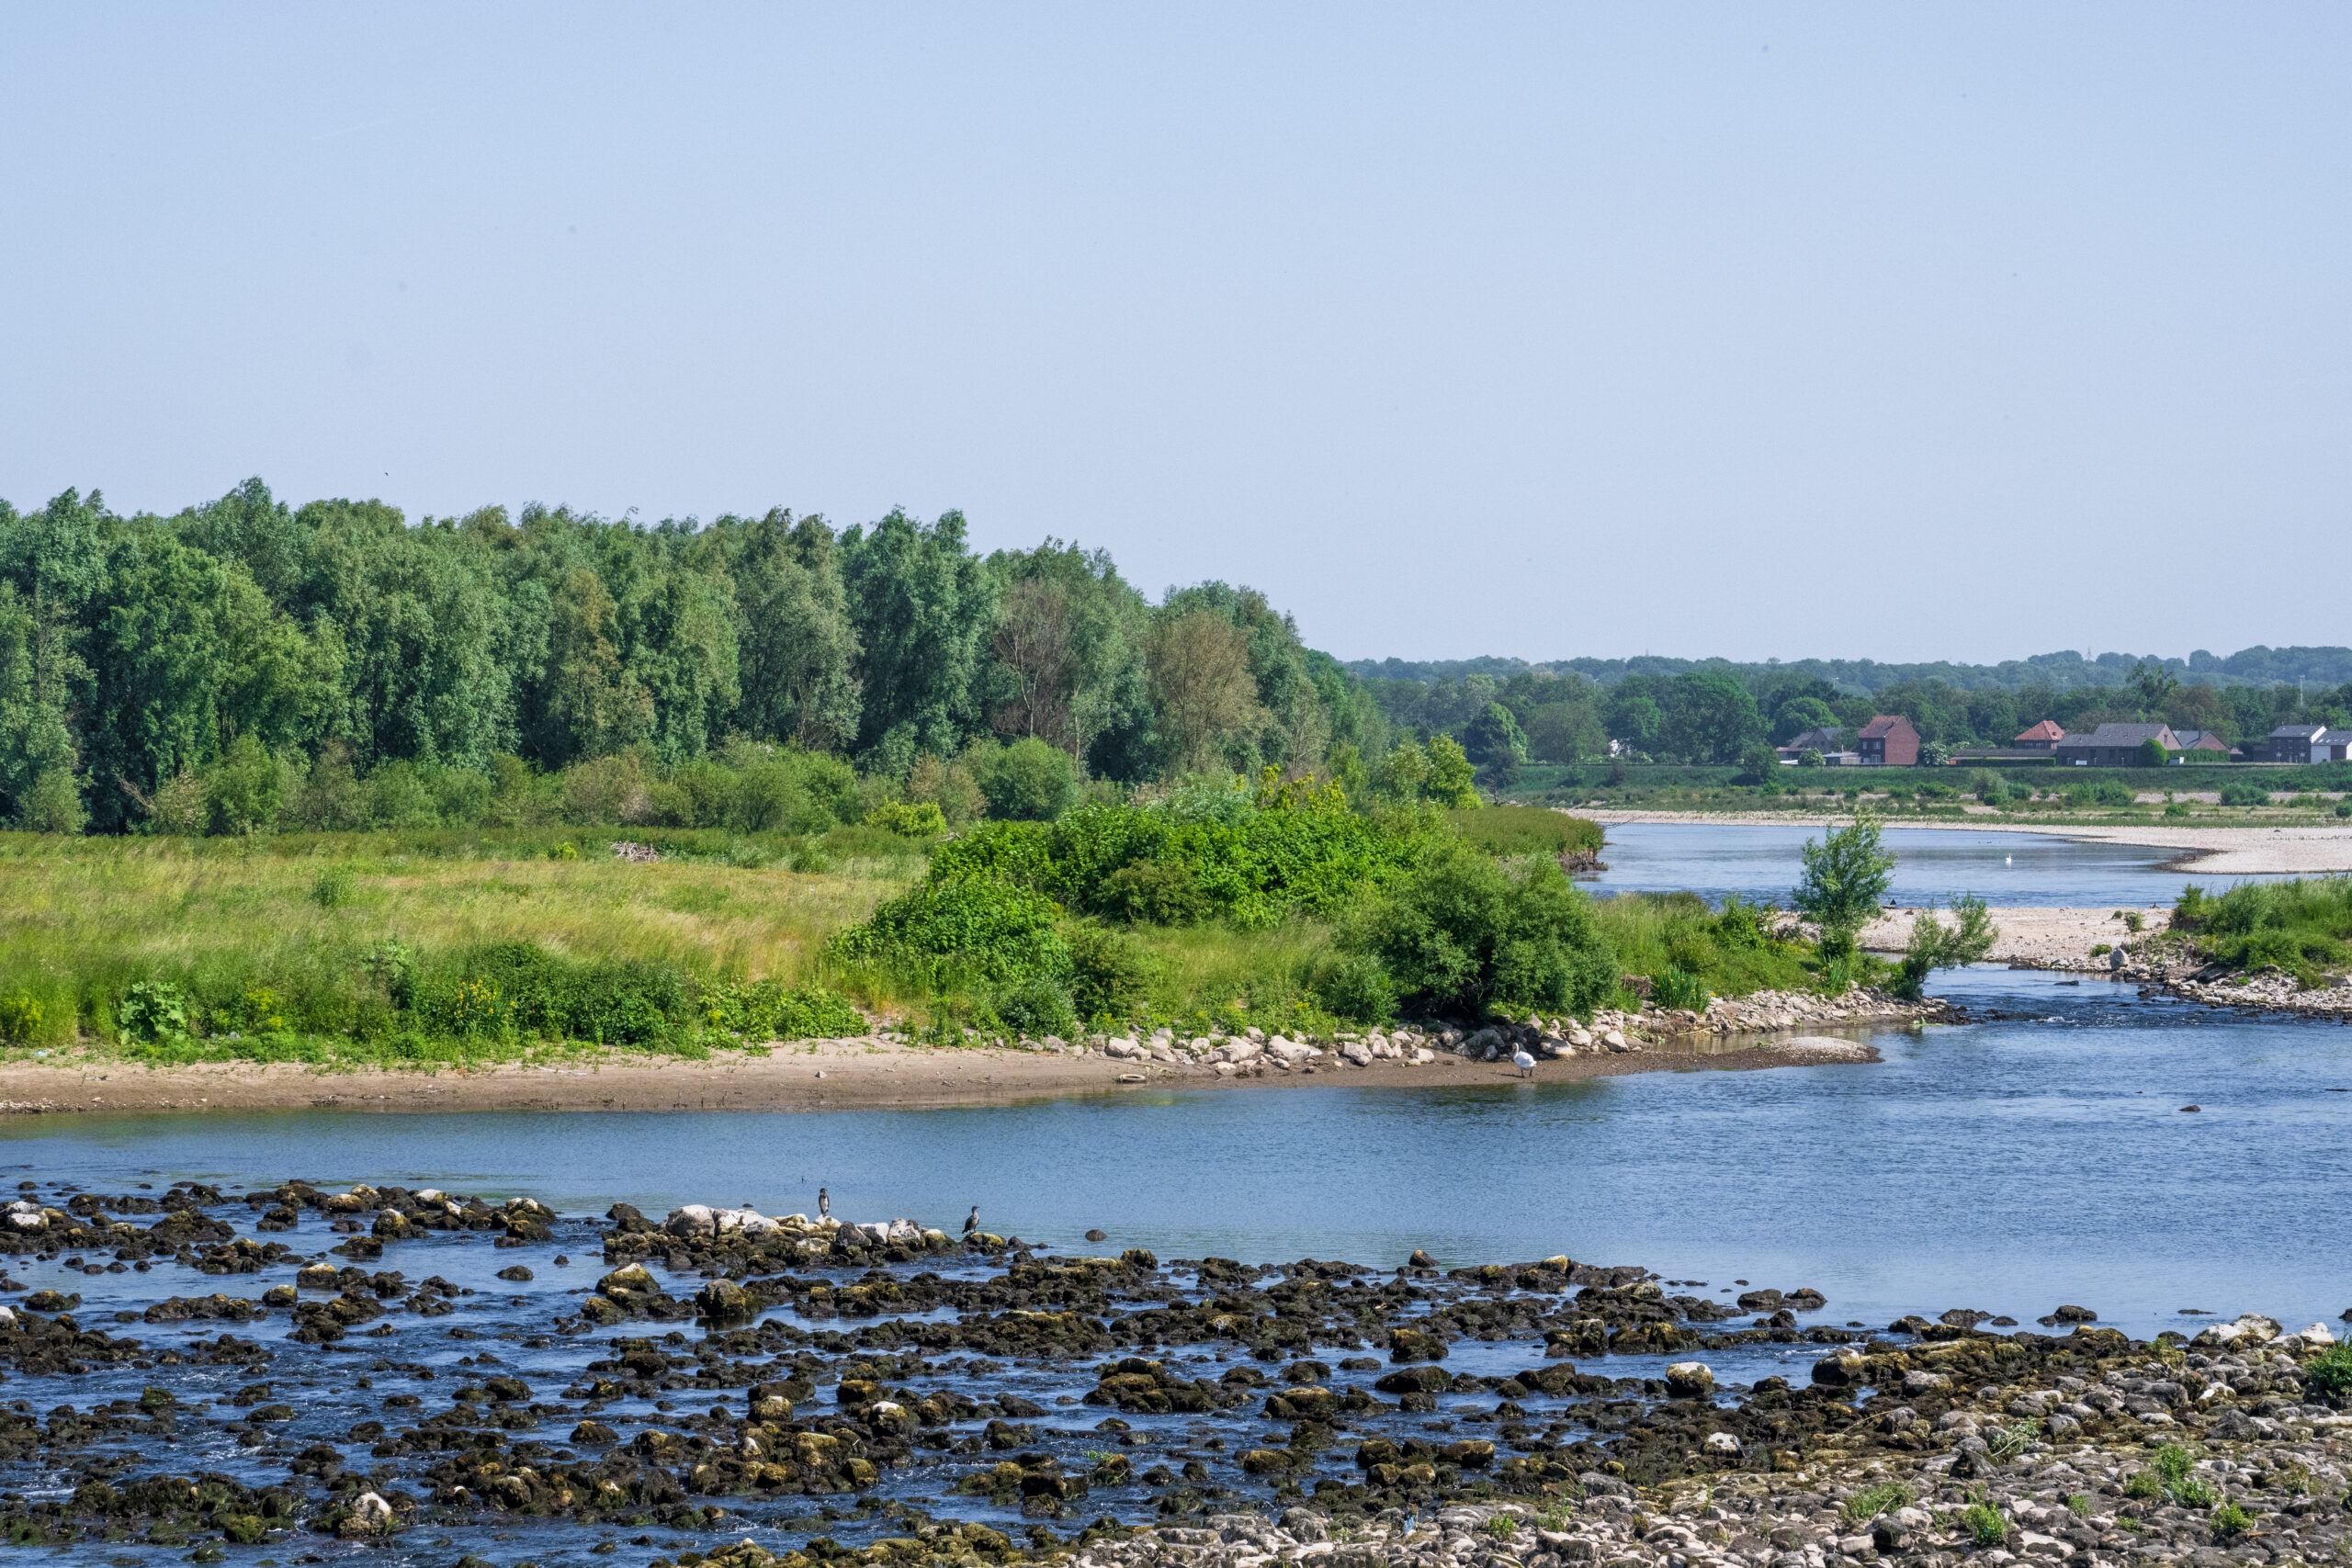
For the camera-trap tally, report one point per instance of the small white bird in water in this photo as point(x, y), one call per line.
point(1523, 1061)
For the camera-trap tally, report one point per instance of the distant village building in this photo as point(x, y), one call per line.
point(1822, 740)
point(1888, 741)
point(2043, 737)
point(2201, 741)
point(2114, 745)
point(2303, 743)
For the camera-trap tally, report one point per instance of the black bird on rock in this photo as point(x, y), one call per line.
point(824, 1203)
point(972, 1221)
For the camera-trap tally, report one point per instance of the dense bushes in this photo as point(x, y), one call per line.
point(2300, 926)
point(1464, 933)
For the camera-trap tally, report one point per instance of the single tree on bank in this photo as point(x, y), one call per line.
point(1935, 946)
point(1847, 871)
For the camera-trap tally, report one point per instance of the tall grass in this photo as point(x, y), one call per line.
point(1676, 938)
point(297, 935)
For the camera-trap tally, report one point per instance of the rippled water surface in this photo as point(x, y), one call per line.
point(1761, 860)
point(2007, 1165)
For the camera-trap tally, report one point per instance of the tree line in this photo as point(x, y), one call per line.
point(1719, 715)
point(147, 663)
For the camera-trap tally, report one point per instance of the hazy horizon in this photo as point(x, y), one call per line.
point(1721, 331)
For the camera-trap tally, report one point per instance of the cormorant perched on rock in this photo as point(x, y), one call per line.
point(824, 1203)
point(972, 1221)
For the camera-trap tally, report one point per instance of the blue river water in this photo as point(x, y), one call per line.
point(2008, 1165)
point(1761, 861)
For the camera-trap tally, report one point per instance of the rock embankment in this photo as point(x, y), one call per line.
point(1255, 1053)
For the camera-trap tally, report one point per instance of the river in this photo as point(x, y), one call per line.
point(1761, 860)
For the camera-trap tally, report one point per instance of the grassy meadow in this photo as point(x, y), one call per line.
point(437, 947)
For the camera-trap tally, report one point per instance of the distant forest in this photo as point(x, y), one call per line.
point(244, 665)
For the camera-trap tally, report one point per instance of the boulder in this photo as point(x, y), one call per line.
point(695, 1219)
point(1121, 1049)
point(1722, 1445)
point(1290, 1053)
point(1240, 1051)
point(747, 1222)
point(1690, 1379)
point(1356, 1053)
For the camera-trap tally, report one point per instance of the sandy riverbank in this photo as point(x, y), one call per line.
point(2038, 938)
point(2216, 852)
point(828, 1076)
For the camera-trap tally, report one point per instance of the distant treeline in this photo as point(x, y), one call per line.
point(1732, 715)
point(2312, 668)
point(142, 657)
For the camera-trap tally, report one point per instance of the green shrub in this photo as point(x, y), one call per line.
point(52, 804)
point(766, 1010)
point(1983, 1524)
point(151, 1011)
point(1158, 893)
point(2172, 1464)
point(2237, 792)
point(330, 889)
point(2329, 1373)
point(1872, 1501)
point(1028, 780)
point(2231, 1521)
point(504, 989)
point(1678, 988)
point(1359, 990)
point(1108, 972)
point(1037, 1006)
point(983, 928)
point(909, 820)
point(19, 1018)
point(1464, 933)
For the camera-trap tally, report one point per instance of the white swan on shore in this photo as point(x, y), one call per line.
point(1523, 1061)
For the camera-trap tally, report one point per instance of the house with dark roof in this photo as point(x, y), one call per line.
point(2114, 745)
point(2200, 740)
point(1822, 740)
point(2043, 737)
point(2298, 743)
point(2336, 746)
point(1888, 741)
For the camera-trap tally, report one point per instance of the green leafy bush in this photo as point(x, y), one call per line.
point(332, 888)
point(19, 1018)
point(1464, 933)
point(1359, 990)
point(1037, 1006)
point(1028, 780)
point(909, 820)
point(768, 1009)
point(509, 988)
point(1983, 1525)
point(1674, 987)
point(2231, 1521)
point(1158, 893)
point(2329, 1373)
point(1108, 972)
point(1872, 1501)
point(152, 1011)
point(982, 928)
point(2237, 792)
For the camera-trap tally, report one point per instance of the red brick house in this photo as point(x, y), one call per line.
point(1889, 741)
point(2043, 737)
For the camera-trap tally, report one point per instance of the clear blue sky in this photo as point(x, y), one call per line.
point(1896, 331)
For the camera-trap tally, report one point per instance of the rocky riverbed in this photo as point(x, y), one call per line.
point(297, 1374)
